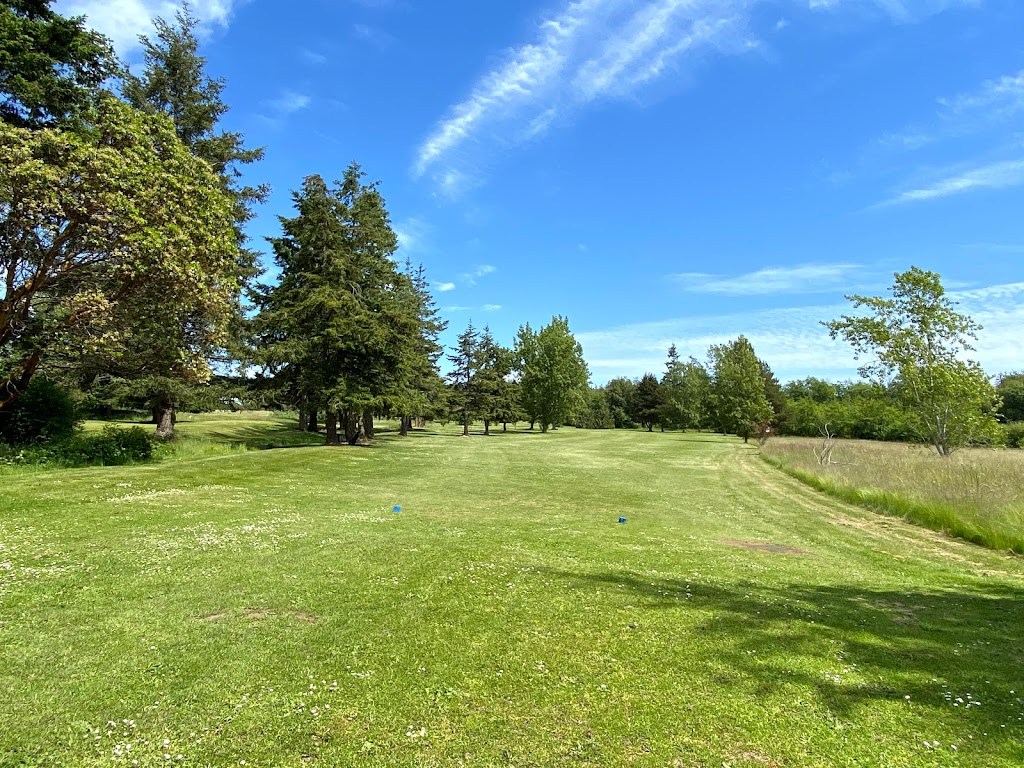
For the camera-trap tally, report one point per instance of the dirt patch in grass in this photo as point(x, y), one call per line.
point(215, 616)
point(765, 546)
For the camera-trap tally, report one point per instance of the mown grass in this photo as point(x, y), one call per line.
point(270, 607)
point(976, 494)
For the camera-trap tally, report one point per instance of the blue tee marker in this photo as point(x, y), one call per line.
point(622, 519)
point(396, 508)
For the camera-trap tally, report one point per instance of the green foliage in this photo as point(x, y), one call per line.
point(555, 378)
point(105, 257)
point(738, 388)
point(344, 330)
point(619, 393)
point(686, 389)
point(1010, 389)
point(51, 67)
point(862, 411)
point(113, 446)
point(648, 401)
point(1014, 434)
point(916, 340)
point(44, 413)
point(596, 414)
point(174, 83)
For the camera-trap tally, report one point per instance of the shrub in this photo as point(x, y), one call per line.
point(1014, 434)
point(44, 413)
point(111, 447)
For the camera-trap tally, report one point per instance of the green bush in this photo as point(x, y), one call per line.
point(44, 413)
point(1014, 434)
point(111, 447)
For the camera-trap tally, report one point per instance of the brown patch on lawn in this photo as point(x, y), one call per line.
point(765, 546)
point(258, 614)
point(215, 616)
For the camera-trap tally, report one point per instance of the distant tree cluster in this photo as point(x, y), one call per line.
point(734, 392)
point(542, 379)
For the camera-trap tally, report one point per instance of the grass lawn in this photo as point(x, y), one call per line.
point(268, 608)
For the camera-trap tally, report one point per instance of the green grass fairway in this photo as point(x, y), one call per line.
point(268, 608)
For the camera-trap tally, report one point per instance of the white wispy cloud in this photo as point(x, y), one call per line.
point(588, 50)
point(124, 20)
point(289, 102)
point(470, 278)
point(983, 115)
point(994, 99)
point(807, 278)
point(1009, 173)
point(593, 50)
point(413, 235)
point(491, 307)
point(312, 57)
point(444, 287)
point(792, 340)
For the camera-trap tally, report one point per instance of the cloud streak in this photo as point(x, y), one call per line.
point(808, 278)
point(594, 50)
point(589, 50)
point(1008, 173)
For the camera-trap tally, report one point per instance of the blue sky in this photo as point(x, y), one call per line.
point(657, 170)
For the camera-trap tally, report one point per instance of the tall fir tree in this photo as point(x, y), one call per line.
point(465, 361)
point(52, 68)
point(338, 326)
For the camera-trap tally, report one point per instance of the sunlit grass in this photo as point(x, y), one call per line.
point(976, 494)
point(269, 606)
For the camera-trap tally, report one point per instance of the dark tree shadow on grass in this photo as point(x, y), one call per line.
point(905, 643)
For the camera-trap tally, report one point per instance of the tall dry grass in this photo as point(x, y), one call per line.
point(976, 494)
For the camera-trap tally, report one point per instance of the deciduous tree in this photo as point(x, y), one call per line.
point(554, 374)
point(738, 389)
point(916, 341)
point(105, 231)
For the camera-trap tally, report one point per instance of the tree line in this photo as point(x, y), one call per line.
point(918, 384)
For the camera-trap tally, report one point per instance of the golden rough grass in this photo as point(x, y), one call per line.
point(977, 493)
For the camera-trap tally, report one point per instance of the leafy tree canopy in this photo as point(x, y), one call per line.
point(915, 341)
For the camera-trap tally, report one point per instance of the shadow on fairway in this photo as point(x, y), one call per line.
point(903, 643)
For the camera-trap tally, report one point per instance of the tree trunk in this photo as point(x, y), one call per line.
point(312, 426)
point(165, 419)
point(543, 427)
point(351, 427)
point(532, 422)
point(487, 426)
point(403, 430)
point(368, 424)
point(303, 421)
point(465, 425)
point(331, 423)
point(504, 426)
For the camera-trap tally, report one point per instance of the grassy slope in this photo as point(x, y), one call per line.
point(269, 607)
